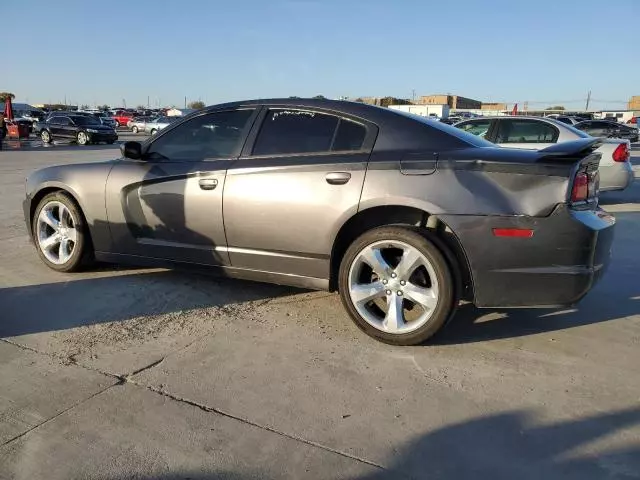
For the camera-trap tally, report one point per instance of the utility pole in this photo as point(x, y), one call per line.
point(147, 101)
point(185, 101)
point(413, 96)
point(586, 108)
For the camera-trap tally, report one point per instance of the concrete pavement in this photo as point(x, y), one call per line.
point(143, 373)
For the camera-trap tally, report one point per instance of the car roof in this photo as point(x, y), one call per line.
point(398, 130)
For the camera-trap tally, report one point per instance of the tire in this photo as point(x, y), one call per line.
point(154, 131)
point(82, 138)
point(424, 296)
point(134, 129)
point(117, 124)
point(78, 249)
point(45, 136)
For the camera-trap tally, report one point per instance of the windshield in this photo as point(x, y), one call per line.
point(78, 120)
point(449, 129)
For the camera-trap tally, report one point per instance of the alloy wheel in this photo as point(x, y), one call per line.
point(393, 286)
point(45, 136)
point(56, 232)
point(82, 138)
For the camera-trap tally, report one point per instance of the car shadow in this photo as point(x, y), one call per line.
point(126, 295)
point(505, 446)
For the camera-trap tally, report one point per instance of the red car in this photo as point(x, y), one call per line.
point(122, 118)
point(633, 121)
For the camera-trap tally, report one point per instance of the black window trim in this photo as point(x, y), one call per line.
point(556, 130)
point(367, 144)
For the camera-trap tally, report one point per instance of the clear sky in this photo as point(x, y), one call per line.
point(549, 51)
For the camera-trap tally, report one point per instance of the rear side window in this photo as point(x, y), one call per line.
point(303, 131)
point(523, 131)
point(350, 136)
point(479, 128)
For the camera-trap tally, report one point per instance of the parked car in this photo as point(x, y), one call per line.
point(565, 119)
point(440, 216)
point(83, 129)
point(121, 118)
point(616, 172)
point(606, 128)
point(633, 121)
point(157, 124)
point(138, 124)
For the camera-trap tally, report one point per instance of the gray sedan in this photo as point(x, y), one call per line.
point(536, 133)
point(138, 124)
point(403, 216)
point(157, 124)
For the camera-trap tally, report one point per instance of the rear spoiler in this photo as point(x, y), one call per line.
point(570, 151)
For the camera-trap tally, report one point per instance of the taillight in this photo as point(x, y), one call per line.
point(580, 190)
point(621, 153)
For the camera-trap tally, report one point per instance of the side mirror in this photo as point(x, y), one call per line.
point(132, 150)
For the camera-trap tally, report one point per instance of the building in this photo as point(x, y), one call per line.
point(634, 103)
point(179, 112)
point(429, 111)
point(493, 106)
point(453, 101)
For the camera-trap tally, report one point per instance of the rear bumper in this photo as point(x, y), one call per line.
point(568, 253)
point(616, 177)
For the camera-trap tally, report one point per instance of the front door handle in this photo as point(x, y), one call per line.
point(208, 183)
point(338, 178)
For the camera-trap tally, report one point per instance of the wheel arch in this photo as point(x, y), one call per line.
point(436, 229)
point(46, 190)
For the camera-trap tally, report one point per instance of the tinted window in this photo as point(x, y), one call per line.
point(350, 136)
point(480, 128)
point(55, 120)
point(295, 131)
point(523, 131)
point(213, 135)
point(566, 120)
point(78, 120)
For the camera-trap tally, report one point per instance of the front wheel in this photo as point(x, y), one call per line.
point(45, 136)
point(396, 285)
point(82, 138)
point(154, 131)
point(60, 233)
point(134, 129)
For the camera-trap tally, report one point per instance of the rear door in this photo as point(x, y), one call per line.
point(67, 128)
point(169, 205)
point(525, 133)
point(299, 178)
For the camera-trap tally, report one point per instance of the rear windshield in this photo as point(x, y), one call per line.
point(449, 130)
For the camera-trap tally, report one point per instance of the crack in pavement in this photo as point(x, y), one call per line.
point(128, 378)
point(62, 412)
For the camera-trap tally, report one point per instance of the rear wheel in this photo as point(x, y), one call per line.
point(153, 131)
point(396, 285)
point(134, 129)
point(45, 136)
point(117, 124)
point(60, 233)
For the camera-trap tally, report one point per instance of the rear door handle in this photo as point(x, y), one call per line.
point(338, 178)
point(208, 183)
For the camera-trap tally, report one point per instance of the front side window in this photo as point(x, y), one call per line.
point(523, 131)
point(479, 128)
point(213, 135)
point(286, 132)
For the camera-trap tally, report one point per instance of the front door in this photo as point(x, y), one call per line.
point(298, 180)
point(169, 204)
point(525, 133)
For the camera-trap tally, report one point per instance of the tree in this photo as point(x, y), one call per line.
point(320, 97)
point(5, 95)
point(556, 107)
point(196, 105)
point(84, 106)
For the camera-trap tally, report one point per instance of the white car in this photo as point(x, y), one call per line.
point(536, 133)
